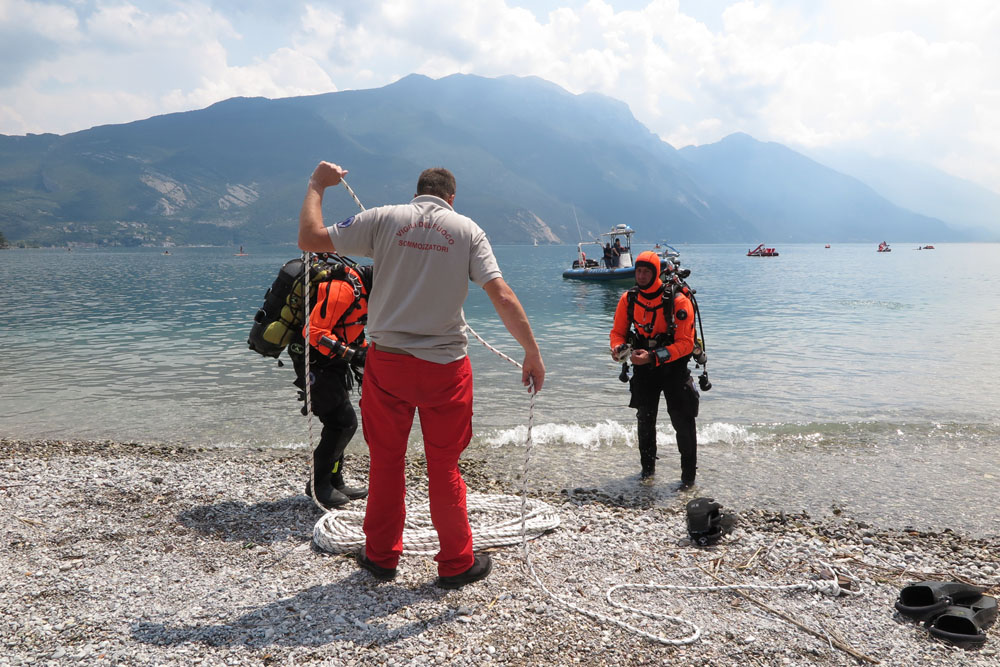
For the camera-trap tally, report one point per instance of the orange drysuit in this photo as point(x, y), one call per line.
point(645, 314)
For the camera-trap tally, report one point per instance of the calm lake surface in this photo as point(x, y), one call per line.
point(843, 378)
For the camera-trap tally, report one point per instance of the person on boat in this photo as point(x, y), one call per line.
point(425, 255)
point(609, 256)
point(619, 251)
point(338, 350)
point(658, 323)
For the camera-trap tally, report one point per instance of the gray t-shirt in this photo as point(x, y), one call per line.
point(425, 254)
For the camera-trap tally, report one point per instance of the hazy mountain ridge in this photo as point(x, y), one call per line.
point(531, 160)
point(960, 203)
point(795, 198)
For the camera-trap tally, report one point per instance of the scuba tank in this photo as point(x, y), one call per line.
point(274, 322)
point(280, 318)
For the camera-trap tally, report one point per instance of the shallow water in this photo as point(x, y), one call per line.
point(842, 377)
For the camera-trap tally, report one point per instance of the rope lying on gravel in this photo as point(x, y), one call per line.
point(340, 532)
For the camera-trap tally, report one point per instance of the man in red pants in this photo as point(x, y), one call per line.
point(425, 255)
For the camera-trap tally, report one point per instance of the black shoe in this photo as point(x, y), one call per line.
point(377, 571)
point(480, 568)
point(647, 472)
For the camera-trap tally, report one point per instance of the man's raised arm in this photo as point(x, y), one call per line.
point(312, 233)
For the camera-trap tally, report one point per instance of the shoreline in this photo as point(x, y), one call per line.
point(126, 553)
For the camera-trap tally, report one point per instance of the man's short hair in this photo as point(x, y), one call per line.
point(436, 181)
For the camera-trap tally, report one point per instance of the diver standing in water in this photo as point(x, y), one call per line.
point(337, 336)
point(656, 321)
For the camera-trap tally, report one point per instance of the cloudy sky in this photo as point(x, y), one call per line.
point(913, 79)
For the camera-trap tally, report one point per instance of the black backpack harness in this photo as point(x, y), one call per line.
point(340, 272)
point(640, 336)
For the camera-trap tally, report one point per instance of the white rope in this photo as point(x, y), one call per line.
point(306, 286)
point(341, 531)
point(356, 200)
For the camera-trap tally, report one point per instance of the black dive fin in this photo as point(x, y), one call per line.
point(925, 599)
point(965, 625)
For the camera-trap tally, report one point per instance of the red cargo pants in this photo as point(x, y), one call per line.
point(396, 385)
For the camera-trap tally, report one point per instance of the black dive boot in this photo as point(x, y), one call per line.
point(337, 479)
point(648, 461)
point(688, 469)
point(328, 496)
point(646, 431)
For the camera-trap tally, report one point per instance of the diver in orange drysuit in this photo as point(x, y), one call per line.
point(337, 336)
point(661, 346)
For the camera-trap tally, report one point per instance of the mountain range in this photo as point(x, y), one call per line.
point(534, 163)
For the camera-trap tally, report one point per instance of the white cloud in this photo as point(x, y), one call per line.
point(911, 78)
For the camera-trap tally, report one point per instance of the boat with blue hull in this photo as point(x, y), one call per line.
point(615, 251)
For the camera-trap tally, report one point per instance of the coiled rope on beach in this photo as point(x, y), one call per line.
point(496, 521)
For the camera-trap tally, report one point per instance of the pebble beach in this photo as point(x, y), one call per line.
point(121, 553)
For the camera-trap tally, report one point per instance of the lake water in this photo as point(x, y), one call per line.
point(843, 378)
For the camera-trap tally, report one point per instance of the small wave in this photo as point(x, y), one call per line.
point(610, 433)
point(730, 434)
point(592, 437)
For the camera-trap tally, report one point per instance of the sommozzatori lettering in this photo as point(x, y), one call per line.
point(423, 246)
point(425, 224)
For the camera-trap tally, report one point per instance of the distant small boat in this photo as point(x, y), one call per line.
point(827, 245)
point(884, 247)
point(761, 251)
point(666, 251)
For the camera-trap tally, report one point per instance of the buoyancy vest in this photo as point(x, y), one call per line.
point(341, 312)
point(648, 330)
point(661, 317)
point(278, 322)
